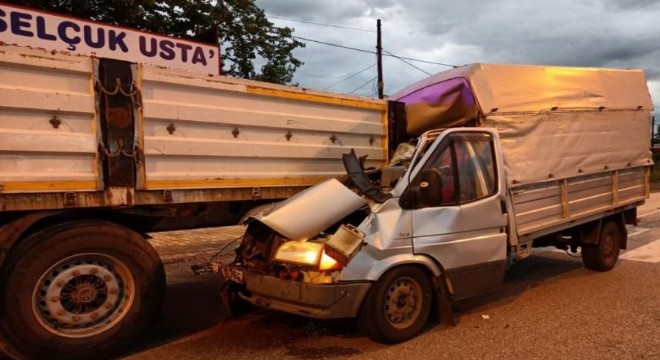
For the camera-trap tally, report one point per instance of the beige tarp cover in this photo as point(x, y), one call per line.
point(554, 122)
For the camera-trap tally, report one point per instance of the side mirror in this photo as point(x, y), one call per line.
point(430, 187)
point(427, 192)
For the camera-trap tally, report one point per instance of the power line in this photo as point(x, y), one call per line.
point(335, 45)
point(373, 52)
point(320, 24)
point(363, 85)
point(405, 62)
point(424, 61)
point(350, 77)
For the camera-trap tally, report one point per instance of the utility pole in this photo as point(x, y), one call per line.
point(379, 55)
point(652, 130)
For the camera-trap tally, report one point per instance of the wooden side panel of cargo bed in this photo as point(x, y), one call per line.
point(47, 123)
point(541, 206)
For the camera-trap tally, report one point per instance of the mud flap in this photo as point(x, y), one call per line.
point(445, 312)
point(225, 297)
point(231, 302)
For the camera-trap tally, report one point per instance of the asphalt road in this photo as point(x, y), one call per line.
point(550, 307)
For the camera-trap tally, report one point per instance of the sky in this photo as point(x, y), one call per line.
point(599, 33)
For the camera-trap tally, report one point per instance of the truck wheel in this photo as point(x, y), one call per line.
point(604, 255)
point(79, 289)
point(397, 306)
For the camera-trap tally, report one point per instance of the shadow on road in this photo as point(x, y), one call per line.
point(192, 305)
point(522, 276)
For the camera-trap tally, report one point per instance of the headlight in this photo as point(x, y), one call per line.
point(299, 253)
point(333, 254)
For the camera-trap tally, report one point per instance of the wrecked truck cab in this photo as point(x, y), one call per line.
point(319, 254)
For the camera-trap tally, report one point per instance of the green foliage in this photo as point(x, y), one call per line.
point(247, 36)
point(655, 173)
point(656, 137)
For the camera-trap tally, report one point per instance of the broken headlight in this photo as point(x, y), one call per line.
point(307, 253)
point(331, 254)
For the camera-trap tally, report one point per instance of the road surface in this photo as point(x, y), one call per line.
point(550, 307)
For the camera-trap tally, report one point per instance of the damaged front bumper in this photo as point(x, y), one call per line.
point(323, 301)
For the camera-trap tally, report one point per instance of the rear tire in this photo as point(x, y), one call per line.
point(397, 306)
point(79, 289)
point(604, 255)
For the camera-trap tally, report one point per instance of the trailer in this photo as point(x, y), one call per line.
point(96, 152)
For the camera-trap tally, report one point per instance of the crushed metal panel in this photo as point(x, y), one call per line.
point(313, 210)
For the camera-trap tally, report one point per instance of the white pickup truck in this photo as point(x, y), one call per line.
point(521, 156)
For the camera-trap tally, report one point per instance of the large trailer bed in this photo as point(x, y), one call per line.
point(70, 137)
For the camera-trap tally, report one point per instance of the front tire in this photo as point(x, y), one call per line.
point(397, 306)
point(604, 255)
point(79, 289)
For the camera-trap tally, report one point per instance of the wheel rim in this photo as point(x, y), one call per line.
point(403, 302)
point(608, 246)
point(83, 295)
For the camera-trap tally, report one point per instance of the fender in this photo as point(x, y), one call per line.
point(9, 235)
point(382, 266)
point(372, 269)
point(12, 231)
point(590, 232)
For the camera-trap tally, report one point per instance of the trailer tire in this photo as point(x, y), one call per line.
point(397, 306)
point(604, 255)
point(79, 289)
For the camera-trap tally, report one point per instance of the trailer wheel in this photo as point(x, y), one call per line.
point(78, 289)
point(604, 255)
point(397, 306)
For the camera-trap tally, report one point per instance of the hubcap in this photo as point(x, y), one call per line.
point(403, 302)
point(608, 246)
point(83, 295)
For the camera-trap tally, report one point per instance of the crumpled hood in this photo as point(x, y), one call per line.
point(311, 211)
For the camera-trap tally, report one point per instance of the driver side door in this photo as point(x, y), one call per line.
point(462, 224)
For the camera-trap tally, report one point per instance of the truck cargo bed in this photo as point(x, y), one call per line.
point(541, 207)
point(73, 135)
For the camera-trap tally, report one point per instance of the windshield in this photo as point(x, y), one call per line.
point(423, 144)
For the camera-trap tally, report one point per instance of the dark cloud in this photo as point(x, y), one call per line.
point(335, 11)
point(632, 4)
point(606, 33)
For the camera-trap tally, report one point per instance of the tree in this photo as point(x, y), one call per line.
point(249, 40)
